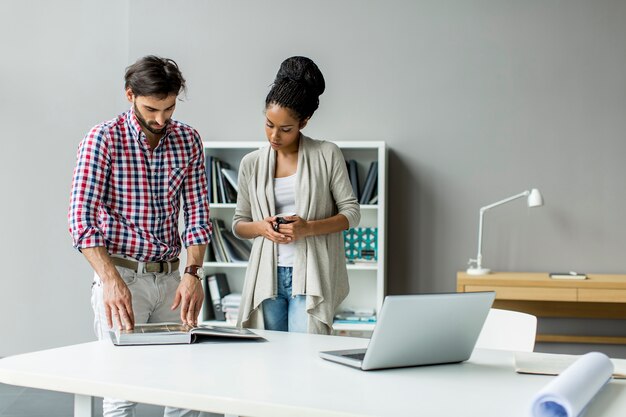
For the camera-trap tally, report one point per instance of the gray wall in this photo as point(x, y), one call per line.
point(60, 74)
point(477, 100)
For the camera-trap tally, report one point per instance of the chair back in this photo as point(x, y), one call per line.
point(508, 330)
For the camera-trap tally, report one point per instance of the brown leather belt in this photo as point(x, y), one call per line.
point(150, 267)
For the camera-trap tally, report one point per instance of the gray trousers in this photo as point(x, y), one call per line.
point(152, 297)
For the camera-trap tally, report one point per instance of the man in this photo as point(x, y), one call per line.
point(130, 176)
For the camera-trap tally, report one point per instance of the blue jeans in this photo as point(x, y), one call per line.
point(285, 313)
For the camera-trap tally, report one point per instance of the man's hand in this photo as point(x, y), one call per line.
point(118, 303)
point(189, 295)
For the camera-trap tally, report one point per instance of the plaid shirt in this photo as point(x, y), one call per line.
point(127, 198)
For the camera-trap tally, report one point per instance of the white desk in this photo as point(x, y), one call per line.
point(285, 377)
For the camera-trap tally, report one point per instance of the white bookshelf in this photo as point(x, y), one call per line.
point(368, 285)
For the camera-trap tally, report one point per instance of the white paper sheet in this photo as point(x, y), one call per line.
point(568, 394)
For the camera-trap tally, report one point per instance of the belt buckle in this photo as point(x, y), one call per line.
point(154, 267)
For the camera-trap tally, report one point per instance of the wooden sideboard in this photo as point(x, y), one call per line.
point(600, 296)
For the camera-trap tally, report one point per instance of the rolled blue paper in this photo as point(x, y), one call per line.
point(568, 394)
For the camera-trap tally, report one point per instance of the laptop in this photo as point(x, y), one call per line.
point(425, 329)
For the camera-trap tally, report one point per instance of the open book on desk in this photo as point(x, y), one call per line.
point(555, 363)
point(175, 333)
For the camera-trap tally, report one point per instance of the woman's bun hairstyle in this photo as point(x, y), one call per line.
point(297, 87)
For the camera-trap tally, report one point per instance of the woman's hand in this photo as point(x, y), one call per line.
point(266, 229)
point(297, 228)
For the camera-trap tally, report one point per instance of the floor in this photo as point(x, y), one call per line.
point(30, 402)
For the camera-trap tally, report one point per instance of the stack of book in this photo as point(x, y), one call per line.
point(356, 317)
point(230, 305)
point(222, 181)
point(225, 247)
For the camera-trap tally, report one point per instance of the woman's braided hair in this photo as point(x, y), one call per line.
point(297, 87)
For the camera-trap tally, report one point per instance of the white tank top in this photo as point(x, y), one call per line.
point(285, 201)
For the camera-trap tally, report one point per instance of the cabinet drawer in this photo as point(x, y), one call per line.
point(527, 293)
point(602, 296)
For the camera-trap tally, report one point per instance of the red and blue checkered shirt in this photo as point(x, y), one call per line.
point(126, 197)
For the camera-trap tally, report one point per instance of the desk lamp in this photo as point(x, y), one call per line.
point(534, 200)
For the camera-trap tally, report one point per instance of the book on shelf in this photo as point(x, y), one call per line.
point(232, 254)
point(567, 275)
point(216, 289)
point(212, 251)
point(370, 183)
point(232, 177)
point(175, 333)
point(207, 306)
point(353, 174)
point(238, 250)
point(217, 241)
point(218, 227)
point(209, 254)
point(213, 195)
point(221, 188)
point(220, 182)
point(225, 247)
point(231, 194)
point(209, 169)
point(230, 191)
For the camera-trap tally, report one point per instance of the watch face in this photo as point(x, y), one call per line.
point(200, 272)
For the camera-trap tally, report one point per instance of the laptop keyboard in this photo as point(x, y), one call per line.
point(359, 356)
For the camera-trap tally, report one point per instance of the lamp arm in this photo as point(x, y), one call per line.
point(481, 214)
point(506, 200)
point(479, 256)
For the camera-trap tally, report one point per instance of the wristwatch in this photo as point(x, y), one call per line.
point(195, 270)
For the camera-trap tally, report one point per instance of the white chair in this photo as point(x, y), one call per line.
point(508, 330)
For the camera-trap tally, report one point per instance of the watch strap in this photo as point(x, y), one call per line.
point(193, 270)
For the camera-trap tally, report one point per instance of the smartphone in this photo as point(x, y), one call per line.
point(281, 220)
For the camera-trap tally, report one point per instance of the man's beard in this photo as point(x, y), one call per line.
point(145, 124)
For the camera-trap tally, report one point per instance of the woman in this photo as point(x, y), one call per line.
point(296, 274)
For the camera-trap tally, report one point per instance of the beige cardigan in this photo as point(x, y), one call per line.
point(319, 272)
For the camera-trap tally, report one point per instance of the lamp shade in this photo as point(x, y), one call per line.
point(534, 198)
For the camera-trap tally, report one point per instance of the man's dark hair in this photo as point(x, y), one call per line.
point(297, 87)
point(154, 76)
